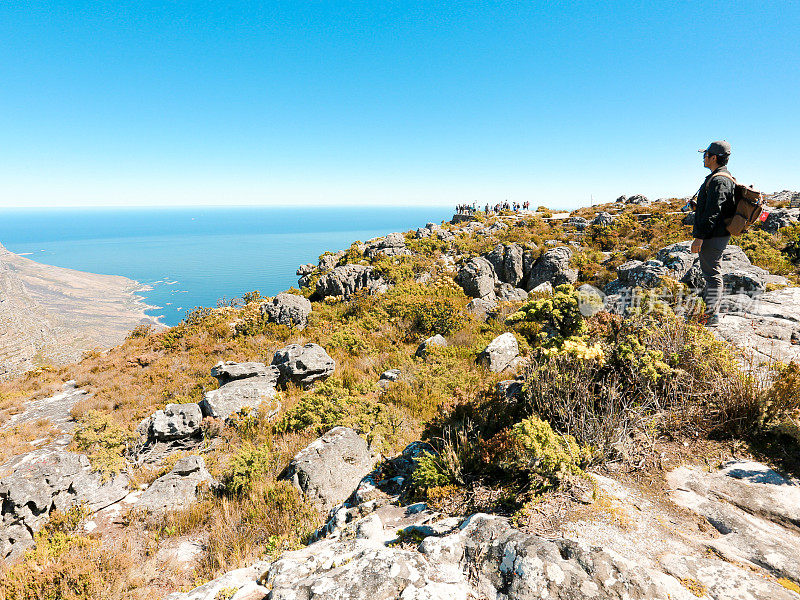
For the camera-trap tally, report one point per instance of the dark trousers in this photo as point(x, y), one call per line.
point(710, 257)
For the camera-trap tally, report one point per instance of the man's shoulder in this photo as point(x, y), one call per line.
point(722, 177)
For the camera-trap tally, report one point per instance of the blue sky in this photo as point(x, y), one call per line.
point(167, 103)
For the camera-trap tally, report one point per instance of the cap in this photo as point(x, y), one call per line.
point(717, 148)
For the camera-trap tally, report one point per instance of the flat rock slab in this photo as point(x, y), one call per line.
point(228, 371)
point(756, 511)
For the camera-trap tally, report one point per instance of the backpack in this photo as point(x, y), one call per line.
point(749, 206)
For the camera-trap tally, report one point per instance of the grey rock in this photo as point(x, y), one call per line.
point(507, 263)
point(177, 489)
point(425, 347)
point(348, 279)
point(543, 288)
point(57, 480)
point(393, 244)
point(758, 519)
point(635, 273)
point(622, 199)
point(603, 219)
point(552, 266)
point(305, 269)
point(330, 260)
point(477, 278)
point(678, 258)
point(637, 199)
point(242, 580)
point(738, 274)
point(780, 217)
point(480, 307)
point(579, 223)
point(329, 469)
point(510, 389)
point(302, 365)
point(176, 421)
point(228, 371)
point(252, 394)
point(290, 310)
point(766, 326)
point(508, 293)
point(391, 375)
point(499, 353)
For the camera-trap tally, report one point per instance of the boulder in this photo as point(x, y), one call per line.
point(543, 288)
point(552, 266)
point(425, 347)
point(637, 199)
point(348, 279)
point(52, 481)
point(243, 581)
point(302, 365)
point(499, 353)
point(330, 260)
point(480, 307)
point(579, 223)
point(329, 469)
point(477, 278)
point(175, 422)
point(508, 293)
point(636, 273)
point(738, 274)
point(290, 310)
point(254, 393)
point(391, 375)
point(228, 371)
point(510, 389)
point(393, 244)
point(780, 217)
point(177, 489)
point(305, 269)
point(678, 258)
point(507, 262)
point(603, 219)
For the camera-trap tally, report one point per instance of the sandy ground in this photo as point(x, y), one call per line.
point(52, 315)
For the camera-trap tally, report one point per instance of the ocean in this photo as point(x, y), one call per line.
point(195, 256)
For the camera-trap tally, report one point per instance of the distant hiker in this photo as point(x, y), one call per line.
point(715, 202)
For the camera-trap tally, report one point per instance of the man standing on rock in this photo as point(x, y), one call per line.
point(715, 202)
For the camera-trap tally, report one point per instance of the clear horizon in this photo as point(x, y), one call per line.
point(408, 104)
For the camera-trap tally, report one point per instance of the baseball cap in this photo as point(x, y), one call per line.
point(718, 148)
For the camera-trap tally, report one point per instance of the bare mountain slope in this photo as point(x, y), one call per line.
point(51, 314)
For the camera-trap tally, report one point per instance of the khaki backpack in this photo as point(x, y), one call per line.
point(749, 205)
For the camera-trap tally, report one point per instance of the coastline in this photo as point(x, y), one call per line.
point(54, 315)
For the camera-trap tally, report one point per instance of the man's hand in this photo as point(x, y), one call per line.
point(696, 244)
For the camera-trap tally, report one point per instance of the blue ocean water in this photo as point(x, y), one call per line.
point(194, 256)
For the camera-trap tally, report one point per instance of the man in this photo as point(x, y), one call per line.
point(715, 203)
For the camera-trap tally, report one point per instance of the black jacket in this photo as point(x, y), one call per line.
point(715, 203)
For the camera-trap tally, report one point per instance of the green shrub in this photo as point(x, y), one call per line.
point(551, 320)
point(430, 472)
point(104, 440)
point(762, 248)
point(546, 453)
point(248, 467)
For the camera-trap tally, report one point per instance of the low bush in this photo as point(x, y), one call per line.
point(104, 440)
